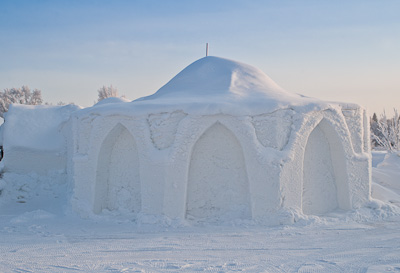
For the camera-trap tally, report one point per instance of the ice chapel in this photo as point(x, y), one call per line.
point(220, 141)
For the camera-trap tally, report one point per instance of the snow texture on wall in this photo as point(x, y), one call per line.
point(273, 130)
point(33, 138)
point(163, 128)
point(366, 133)
point(354, 120)
point(36, 127)
point(218, 185)
point(319, 185)
point(324, 172)
point(118, 180)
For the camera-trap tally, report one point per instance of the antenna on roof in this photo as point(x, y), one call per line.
point(206, 49)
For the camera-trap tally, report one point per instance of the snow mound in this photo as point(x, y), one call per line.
point(386, 177)
point(112, 100)
point(214, 77)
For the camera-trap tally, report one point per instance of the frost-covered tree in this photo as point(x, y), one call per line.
point(374, 118)
point(21, 95)
point(386, 132)
point(107, 92)
point(374, 129)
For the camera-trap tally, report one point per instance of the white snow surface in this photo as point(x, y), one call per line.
point(38, 233)
point(386, 177)
point(34, 138)
point(38, 130)
point(112, 100)
point(214, 77)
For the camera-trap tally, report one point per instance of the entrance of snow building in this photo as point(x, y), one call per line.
point(325, 183)
point(218, 186)
point(117, 179)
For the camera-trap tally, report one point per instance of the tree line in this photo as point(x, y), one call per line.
point(25, 95)
point(22, 95)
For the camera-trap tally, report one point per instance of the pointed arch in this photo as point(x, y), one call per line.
point(325, 181)
point(117, 176)
point(217, 182)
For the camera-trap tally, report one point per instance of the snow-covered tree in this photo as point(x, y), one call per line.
point(21, 95)
point(386, 132)
point(106, 92)
point(374, 129)
point(374, 118)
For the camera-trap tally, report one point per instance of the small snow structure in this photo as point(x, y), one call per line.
point(34, 138)
point(219, 142)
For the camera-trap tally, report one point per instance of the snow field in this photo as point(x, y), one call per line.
point(40, 236)
point(59, 245)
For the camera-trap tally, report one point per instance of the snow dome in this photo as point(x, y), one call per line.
point(220, 141)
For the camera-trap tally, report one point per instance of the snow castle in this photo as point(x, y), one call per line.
point(220, 141)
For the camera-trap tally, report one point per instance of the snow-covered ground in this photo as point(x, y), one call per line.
point(39, 233)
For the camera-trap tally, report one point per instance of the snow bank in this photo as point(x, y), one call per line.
point(386, 177)
point(112, 100)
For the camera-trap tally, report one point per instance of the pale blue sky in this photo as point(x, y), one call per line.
point(334, 50)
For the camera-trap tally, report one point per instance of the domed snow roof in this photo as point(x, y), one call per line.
point(217, 78)
point(112, 100)
point(215, 85)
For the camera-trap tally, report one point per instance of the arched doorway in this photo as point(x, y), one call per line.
point(217, 183)
point(117, 178)
point(324, 172)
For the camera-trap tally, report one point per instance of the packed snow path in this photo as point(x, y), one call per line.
point(71, 245)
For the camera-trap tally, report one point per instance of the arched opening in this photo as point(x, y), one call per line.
point(325, 184)
point(117, 178)
point(218, 186)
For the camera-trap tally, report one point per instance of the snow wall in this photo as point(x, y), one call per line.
point(35, 138)
point(221, 167)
